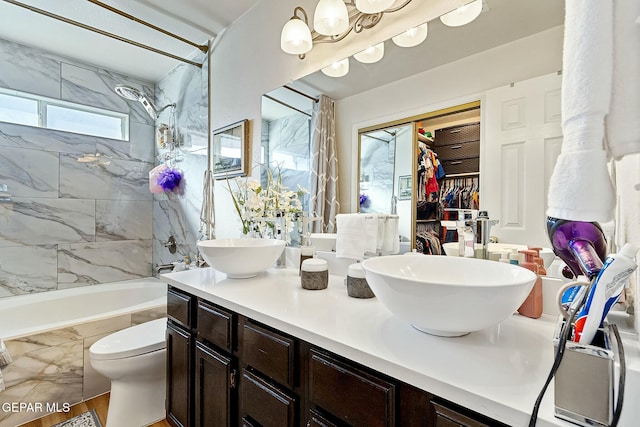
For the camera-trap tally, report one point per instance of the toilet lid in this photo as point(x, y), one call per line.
point(133, 341)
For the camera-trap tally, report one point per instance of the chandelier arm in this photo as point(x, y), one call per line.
point(358, 21)
point(304, 14)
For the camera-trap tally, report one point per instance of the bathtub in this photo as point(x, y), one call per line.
point(45, 311)
point(48, 335)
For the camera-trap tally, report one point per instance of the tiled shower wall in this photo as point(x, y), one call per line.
point(176, 214)
point(74, 224)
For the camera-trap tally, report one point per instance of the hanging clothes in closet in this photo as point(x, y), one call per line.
point(430, 170)
point(460, 193)
point(428, 240)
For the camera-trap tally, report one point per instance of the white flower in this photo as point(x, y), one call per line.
point(266, 210)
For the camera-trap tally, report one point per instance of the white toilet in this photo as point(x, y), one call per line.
point(134, 360)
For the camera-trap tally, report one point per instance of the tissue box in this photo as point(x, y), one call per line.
point(584, 387)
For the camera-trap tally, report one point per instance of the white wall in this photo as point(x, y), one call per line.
point(455, 83)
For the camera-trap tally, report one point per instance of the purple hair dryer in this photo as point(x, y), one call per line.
point(581, 245)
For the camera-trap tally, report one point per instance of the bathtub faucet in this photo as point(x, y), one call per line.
point(160, 267)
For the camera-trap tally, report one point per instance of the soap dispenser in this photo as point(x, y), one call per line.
point(532, 306)
point(307, 250)
point(466, 237)
point(538, 260)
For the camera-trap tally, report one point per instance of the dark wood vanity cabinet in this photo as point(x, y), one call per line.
point(224, 369)
point(179, 358)
point(201, 369)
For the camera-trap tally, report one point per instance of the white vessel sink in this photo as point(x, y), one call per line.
point(242, 257)
point(448, 296)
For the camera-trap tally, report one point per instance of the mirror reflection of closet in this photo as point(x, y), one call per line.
point(390, 183)
point(447, 178)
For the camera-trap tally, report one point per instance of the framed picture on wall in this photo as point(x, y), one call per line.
point(230, 150)
point(404, 187)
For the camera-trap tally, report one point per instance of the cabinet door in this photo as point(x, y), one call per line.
point(215, 385)
point(178, 403)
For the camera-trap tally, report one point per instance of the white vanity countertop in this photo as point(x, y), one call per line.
point(497, 372)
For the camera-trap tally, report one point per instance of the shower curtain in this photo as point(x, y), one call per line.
point(324, 165)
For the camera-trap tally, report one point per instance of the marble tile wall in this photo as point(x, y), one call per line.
point(72, 223)
point(287, 141)
point(178, 214)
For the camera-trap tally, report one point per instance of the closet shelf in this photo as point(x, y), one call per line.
point(427, 220)
point(424, 139)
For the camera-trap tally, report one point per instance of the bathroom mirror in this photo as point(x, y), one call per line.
point(371, 95)
point(230, 150)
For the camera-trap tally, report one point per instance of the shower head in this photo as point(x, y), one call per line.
point(128, 92)
point(133, 94)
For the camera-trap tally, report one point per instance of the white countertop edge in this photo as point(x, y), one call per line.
point(510, 413)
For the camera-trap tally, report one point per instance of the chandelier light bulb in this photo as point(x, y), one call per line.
point(296, 37)
point(337, 69)
point(331, 17)
point(412, 37)
point(462, 15)
point(373, 6)
point(371, 54)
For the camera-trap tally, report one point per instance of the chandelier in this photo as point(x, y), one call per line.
point(333, 20)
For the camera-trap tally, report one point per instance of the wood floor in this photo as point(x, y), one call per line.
point(100, 404)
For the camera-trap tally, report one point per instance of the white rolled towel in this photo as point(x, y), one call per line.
point(580, 188)
point(623, 120)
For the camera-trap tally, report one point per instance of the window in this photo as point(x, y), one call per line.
point(33, 110)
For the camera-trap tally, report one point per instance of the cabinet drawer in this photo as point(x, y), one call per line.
point(354, 396)
point(215, 325)
point(461, 165)
point(463, 150)
point(265, 404)
point(457, 134)
point(269, 352)
point(179, 307)
point(447, 417)
point(315, 419)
